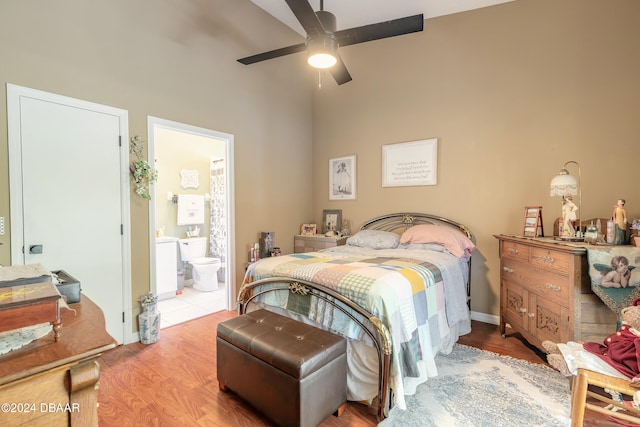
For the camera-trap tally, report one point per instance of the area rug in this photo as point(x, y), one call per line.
point(478, 388)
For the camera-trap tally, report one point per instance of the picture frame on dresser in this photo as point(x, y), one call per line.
point(532, 222)
point(331, 220)
point(308, 230)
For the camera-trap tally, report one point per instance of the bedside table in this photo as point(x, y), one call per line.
point(545, 292)
point(315, 243)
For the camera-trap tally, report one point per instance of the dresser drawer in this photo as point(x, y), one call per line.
point(514, 250)
point(315, 243)
point(552, 286)
point(551, 260)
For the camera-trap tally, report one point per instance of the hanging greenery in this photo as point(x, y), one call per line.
point(143, 174)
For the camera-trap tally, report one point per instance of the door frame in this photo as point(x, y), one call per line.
point(152, 124)
point(14, 95)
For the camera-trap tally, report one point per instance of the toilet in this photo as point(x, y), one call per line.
point(205, 270)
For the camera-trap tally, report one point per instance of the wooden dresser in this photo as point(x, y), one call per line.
point(315, 243)
point(545, 292)
point(49, 383)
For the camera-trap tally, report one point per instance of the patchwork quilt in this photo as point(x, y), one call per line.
point(407, 294)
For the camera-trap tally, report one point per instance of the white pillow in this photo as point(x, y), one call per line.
point(374, 239)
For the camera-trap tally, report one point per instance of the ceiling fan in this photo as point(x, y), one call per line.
point(323, 39)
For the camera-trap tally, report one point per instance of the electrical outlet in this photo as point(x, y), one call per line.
point(1, 225)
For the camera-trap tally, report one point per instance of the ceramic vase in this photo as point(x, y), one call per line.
point(149, 324)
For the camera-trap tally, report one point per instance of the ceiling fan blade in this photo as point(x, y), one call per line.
point(339, 71)
point(301, 47)
point(307, 17)
point(381, 30)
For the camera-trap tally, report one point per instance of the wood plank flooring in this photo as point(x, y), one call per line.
point(173, 382)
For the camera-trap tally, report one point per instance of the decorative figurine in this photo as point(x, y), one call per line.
point(569, 210)
point(620, 221)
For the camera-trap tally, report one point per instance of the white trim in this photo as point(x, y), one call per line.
point(485, 318)
point(14, 95)
point(152, 123)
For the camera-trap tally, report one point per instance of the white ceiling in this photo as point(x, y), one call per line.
point(355, 13)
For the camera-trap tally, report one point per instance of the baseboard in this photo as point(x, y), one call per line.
point(486, 318)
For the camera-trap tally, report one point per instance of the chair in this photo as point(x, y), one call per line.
point(613, 408)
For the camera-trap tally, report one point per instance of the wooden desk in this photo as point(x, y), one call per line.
point(31, 304)
point(49, 383)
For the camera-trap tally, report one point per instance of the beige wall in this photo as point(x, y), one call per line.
point(511, 92)
point(174, 60)
point(173, 152)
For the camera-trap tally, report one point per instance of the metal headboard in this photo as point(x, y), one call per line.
point(404, 220)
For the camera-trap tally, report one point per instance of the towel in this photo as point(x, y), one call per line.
point(190, 209)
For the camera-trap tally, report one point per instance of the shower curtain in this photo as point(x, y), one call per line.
point(218, 221)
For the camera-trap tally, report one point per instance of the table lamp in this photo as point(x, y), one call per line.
point(564, 184)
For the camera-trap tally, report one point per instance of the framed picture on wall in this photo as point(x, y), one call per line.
point(410, 163)
point(342, 178)
point(331, 220)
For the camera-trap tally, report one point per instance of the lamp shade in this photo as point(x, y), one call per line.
point(564, 184)
point(321, 51)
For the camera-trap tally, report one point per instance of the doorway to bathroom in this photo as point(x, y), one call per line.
point(192, 206)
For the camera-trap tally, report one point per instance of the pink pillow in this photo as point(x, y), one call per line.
point(454, 241)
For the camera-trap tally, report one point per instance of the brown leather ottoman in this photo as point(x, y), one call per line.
point(293, 373)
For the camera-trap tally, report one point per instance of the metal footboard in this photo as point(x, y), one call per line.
point(370, 324)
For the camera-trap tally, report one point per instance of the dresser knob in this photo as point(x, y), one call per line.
point(532, 314)
point(522, 310)
point(547, 258)
point(553, 287)
point(513, 250)
point(507, 269)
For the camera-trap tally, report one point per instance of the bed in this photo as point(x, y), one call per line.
point(399, 290)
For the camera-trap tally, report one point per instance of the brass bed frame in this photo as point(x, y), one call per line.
point(370, 324)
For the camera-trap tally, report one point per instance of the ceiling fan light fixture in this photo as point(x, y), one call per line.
point(321, 51)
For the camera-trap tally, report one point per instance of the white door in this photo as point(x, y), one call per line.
point(66, 159)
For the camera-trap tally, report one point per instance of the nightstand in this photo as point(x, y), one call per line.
point(545, 292)
point(316, 242)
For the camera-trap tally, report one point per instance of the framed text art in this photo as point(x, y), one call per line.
point(342, 178)
point(410, 163)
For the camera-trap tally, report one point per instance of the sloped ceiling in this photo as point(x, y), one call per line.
point(355, 13)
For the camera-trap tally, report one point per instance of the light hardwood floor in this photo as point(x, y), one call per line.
point(173, 382)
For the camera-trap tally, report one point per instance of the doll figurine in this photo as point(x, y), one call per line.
point(568, 217)
point(620, 221)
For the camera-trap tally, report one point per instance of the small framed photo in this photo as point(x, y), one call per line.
point(308, 230)
point(331, 220)
point(532, 226)
point(342, 178)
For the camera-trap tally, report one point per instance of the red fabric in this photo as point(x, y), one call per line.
point(620, 350)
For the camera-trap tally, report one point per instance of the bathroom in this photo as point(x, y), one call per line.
point(191, 211)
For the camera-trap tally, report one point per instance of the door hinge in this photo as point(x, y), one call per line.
point(119, 140)
point(122, 229)
point(123, 317)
